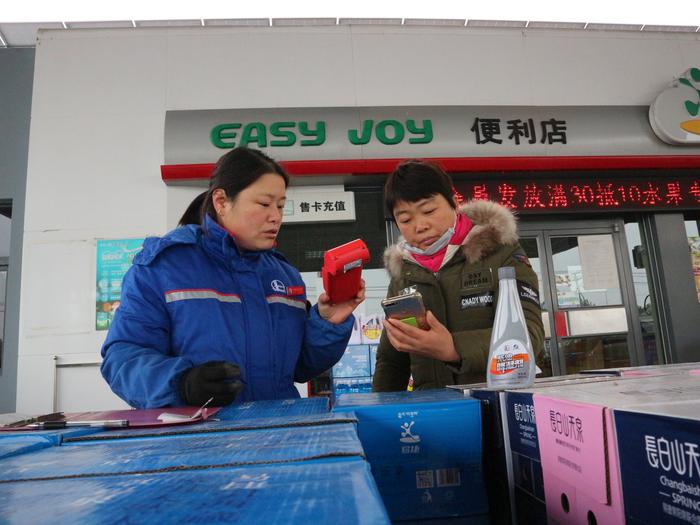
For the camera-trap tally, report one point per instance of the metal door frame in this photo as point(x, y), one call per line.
point(543, 231)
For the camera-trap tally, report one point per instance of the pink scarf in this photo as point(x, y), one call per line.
point(434, 262)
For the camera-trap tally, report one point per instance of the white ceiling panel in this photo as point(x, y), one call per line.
point(100, 24)
point(434, 22)
point(671, 29)
point(168, 23)
point(370, 21)
point(238, 22)
point(291, 22)
point(496, 23)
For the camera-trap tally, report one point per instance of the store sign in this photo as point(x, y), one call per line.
point(539, 194)
point(296, 134)
point(675, 114)
point(319, 204)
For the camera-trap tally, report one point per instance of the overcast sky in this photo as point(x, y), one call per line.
point(654, 12)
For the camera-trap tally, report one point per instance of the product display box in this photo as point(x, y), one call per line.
point(425, 451)
point(204, 450)
point(578, 445)
point(354, 363)
point(659, 449)
point(648, 370)
point(21, 444)
point(351, 385)
point(372, 359)
point(274, 408)
point(337, 491)
point(512, 464)
point(212, 426)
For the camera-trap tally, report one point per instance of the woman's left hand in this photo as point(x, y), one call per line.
point(337, 313)
point(436, 342)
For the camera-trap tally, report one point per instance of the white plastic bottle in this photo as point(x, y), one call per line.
point(511, 360)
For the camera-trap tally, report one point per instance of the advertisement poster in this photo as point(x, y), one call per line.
point(569, 285)
point(113, 260)
point(694, 243)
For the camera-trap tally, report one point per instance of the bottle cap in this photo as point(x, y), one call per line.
point(506, 272)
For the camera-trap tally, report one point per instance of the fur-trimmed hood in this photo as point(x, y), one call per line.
point(494, 226)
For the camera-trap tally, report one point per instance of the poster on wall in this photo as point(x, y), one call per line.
point(694, 243)
point(569, 285)
point(114, 258)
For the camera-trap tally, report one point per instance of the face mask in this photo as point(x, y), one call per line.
point(433, 248)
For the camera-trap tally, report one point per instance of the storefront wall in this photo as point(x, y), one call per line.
point(97, 134)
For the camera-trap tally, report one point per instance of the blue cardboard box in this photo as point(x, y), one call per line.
point(206, 450)
point(213, 426)
point(21, 444)
point(425, 451)
point(341, 492)
point(354, 363)
point(354, 385)
point(274, 408)
point(659, 451)
point(372, 358)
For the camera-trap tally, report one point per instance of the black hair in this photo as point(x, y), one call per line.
point(235, 171)
point(414, 180)
point(193, 213)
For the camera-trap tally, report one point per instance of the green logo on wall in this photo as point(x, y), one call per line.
point(668, 115)
point(284, 134)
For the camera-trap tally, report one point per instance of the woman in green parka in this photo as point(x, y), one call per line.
point(451, 255)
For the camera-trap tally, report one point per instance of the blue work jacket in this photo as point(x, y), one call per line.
point(191, 297)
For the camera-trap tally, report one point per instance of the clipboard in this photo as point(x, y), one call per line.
point(133, 418)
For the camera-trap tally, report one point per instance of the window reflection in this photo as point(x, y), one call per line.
point(585, 271)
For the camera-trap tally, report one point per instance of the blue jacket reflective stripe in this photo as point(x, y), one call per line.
point(192, 297)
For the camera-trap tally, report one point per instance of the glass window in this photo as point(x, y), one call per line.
point(642, 293)
point(531, 249)
point(585, 271)
point(692, 226)
point(304, 244)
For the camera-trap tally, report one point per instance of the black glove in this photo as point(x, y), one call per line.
point(217, 379)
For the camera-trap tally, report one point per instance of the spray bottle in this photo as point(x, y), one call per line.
point(511, 361)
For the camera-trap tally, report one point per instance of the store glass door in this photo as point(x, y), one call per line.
point(588, 309)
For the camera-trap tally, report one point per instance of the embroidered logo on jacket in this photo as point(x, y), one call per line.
point(527, 293)
point(477, 300)
point(477, 279)
point(295, 290)
point(278, 286)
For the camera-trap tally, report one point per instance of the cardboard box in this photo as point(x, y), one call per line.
point(512, 466)
point(274, 408)
point(211, 426)
point(341, 492)
point(425, 451)
point(206, 450)
point(578, 444)
point(351, 385)
point(659, 450)
point(354, 363)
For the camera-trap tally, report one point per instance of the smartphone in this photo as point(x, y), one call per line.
point(408, 308)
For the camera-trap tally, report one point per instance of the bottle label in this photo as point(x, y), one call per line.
point(510, 356)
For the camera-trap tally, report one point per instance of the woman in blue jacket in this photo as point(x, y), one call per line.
point(213, 310)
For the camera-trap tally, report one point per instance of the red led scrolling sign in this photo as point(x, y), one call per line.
point(537, 195)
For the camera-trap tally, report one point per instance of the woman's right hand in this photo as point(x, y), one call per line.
point(337, 313)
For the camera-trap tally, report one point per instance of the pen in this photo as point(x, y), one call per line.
point(104, 423)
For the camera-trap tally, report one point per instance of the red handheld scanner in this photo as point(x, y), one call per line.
point(342, 270)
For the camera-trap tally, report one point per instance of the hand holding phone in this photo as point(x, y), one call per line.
point(408, 308)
